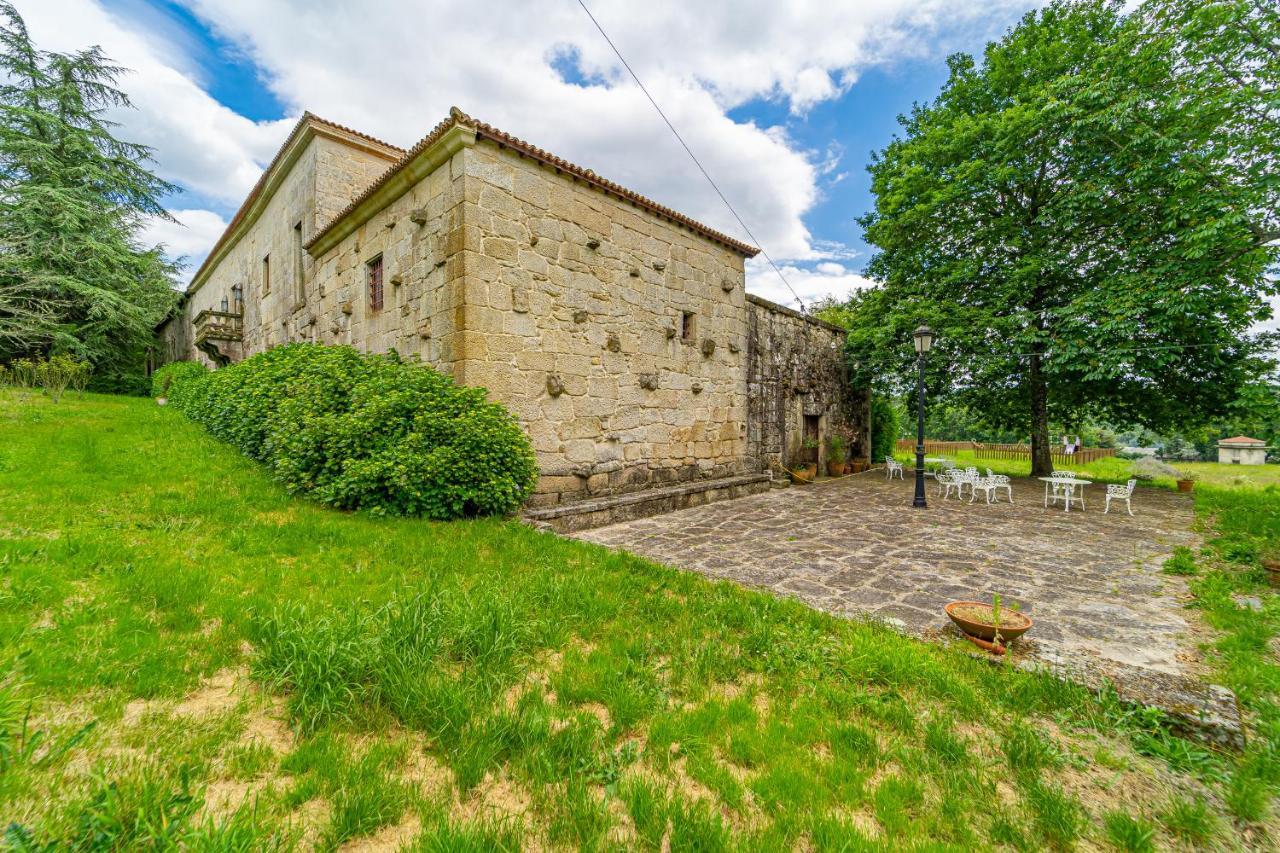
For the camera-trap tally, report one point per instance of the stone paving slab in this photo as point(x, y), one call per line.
point(855, 546)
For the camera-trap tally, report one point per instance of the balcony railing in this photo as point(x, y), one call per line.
point(213, 325)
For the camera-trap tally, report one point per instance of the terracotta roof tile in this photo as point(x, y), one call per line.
point(1242, 439)
point(504, 139)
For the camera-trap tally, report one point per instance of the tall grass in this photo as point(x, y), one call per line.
point(624, 702)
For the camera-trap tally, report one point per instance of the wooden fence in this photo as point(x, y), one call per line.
point(935, 448)
point(980, 450)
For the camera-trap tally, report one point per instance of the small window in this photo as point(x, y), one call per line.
point(373, 274)
point(266, 275)
point(687, 326)
point(299, 285)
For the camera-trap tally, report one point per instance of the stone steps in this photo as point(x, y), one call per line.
point(597, 512)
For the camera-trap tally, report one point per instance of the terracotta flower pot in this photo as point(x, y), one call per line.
point(858, 466)
point(806, 473)
point(1186, 485)
point(836, 469)
point(1013, 624)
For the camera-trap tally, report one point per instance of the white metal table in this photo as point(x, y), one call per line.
point(1065, 481)
point(939, 461)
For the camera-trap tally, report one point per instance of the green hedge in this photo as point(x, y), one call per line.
point(366, 432)
point(164, 377)
point(884, 427)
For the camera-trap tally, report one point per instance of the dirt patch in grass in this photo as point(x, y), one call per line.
point(395, 837)
point(223, 797)
point(311, 818)
point(496, 797)
point(216, 695)
point(1135, 783)
point(426, 773)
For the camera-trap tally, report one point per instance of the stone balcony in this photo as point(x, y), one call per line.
point(218, 334)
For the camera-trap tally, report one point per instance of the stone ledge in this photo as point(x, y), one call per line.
point(581, 515)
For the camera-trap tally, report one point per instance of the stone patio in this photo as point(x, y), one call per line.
point(855, 546)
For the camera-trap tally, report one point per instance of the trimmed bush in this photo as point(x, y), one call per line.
point(366, 432)
point(166, 376)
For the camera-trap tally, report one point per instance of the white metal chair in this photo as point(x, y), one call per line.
point(1120, 493)
point(995, 482)
point(1064, 491)
point(982, 484)
point(892, 468)
point(969, 477)
point(948, 480)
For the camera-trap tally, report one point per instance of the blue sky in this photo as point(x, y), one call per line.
point(784, 102)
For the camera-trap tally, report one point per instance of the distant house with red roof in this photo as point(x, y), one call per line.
point(1242, 450)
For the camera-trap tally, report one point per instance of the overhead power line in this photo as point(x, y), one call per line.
point(689, 151)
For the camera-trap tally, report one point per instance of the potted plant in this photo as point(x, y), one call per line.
point(1187, 480)
point(1270, 559)
point(988, 626)
point(837, 456)
point(807, 471)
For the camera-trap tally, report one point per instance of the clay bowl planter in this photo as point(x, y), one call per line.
point(805, 473)
point(1271, 563)
point(969, 617)
point(1186, 485)
point(836, 469)
point(858, 466)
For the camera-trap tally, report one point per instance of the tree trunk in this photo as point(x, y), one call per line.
point(1041, 455)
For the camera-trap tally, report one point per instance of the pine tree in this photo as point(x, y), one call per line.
point(73, 198)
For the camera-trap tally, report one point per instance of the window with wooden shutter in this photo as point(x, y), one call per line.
point(374, 274)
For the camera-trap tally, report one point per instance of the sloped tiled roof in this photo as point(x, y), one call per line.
point(307, 119)
point(1243, 440)
point(506, 140)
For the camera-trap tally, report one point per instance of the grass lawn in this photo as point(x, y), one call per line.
point(1116, 470)
point(195, 659)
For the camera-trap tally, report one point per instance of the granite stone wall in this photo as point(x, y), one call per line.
point(623, 341)
point(796, 369)
point(618, 339)
point(281, 299)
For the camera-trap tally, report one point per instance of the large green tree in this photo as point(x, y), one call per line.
point(1088, 219)
point(74, 276)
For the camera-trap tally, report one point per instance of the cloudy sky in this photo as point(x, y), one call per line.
point(782, 101)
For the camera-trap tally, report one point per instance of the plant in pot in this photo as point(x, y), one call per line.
point(807, 470)
point(837, 456)
point(1186, 480)
point(989, 626)
point(1269, 556)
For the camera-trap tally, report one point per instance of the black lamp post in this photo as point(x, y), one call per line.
point(923, 340)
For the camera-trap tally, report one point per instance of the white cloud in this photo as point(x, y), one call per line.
point(812, 283)
point(395, 67)
point(198, 143)
point(189, 238)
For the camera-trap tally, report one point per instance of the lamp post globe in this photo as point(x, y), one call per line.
point(922, 339)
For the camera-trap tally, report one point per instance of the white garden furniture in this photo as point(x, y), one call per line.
point(1066, 488)
point(990, 484)
point(951, 479)
point(982, 484)
point(892, 468)
point(1120, 493)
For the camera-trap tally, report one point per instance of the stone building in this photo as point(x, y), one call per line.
point(1242, 450)
point(617, 330)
